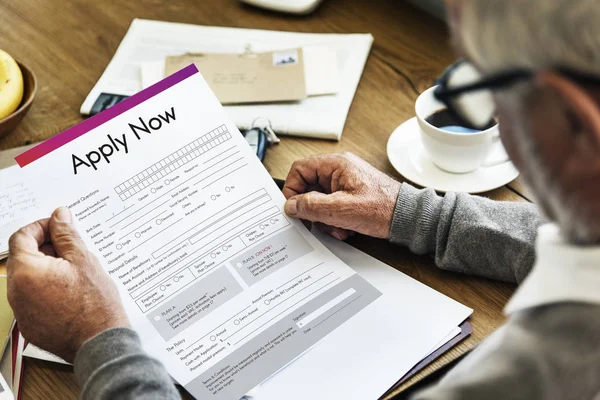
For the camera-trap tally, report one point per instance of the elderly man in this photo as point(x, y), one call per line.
point(541, 62)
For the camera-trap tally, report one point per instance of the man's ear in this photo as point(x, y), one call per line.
point(583, 106)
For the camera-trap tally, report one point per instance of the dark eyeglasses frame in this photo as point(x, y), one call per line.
point(497, 81)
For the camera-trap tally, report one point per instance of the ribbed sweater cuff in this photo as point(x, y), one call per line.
point(103, 348)
point(416, 218)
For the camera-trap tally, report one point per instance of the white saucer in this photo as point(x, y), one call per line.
point(409, 158)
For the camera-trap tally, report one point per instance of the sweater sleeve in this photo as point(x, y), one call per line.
point(467, 234)
point(113, 365)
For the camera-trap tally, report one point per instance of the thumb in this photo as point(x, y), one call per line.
point(64, 237)
point(317, 207)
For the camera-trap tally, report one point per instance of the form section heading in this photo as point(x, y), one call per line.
point(117, 143)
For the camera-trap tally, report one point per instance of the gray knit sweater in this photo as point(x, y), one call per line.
point(547, 352)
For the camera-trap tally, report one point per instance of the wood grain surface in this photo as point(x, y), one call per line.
point(69, 43)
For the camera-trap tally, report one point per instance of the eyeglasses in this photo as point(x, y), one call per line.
point(469, 96)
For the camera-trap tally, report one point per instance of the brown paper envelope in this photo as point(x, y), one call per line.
point(248, 78)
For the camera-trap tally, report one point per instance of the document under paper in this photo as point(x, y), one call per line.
point(320, 71)
point(220, 284)
point(18, 205)
point(320, 116)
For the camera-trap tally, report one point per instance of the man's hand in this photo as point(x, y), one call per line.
point(343, 192)
point(60, 295)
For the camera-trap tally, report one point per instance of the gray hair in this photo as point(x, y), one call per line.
point(534, 34)
point(541, 34)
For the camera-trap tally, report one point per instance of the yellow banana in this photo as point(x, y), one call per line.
point(11, 85)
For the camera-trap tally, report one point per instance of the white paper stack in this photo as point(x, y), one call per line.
point(319, 116)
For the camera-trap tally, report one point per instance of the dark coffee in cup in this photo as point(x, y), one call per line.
point(445, 119)
point(458, 151)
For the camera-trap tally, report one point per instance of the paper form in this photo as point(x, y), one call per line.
point(221, 285)
point(33, 351)
point(18, 205)
point(5, 393)
point(367, 355)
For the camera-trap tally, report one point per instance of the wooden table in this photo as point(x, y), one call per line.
point(68, 45)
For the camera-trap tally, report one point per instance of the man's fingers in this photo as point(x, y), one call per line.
point(311, 173)
point(25, 246)
point(29, 238)
point(48, 250)
point(296, 182)
point(338, 233)
point(317, 207)
point(65, 239)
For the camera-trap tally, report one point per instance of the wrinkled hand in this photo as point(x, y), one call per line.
point(342, 192)
point(60, 295)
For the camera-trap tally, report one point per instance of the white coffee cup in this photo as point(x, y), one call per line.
point(452, 151)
